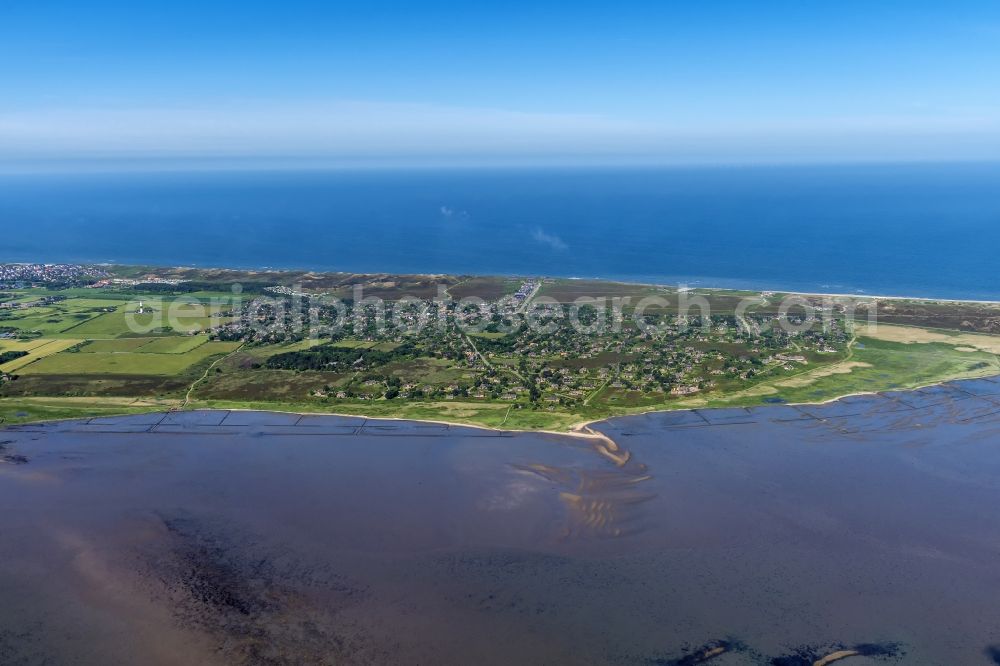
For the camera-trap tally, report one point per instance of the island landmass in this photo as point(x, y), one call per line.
point(511, 353)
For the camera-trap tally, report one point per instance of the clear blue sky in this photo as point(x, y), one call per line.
point(498, 82)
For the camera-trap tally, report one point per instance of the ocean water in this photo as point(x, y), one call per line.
point(780, 533)
point(919, 230)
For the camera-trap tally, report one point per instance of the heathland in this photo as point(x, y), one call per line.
point(512, 353)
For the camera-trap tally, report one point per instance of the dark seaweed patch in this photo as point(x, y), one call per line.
point(23, 646)
point(263, 605)
point(10, 458)
point(810, 654)
point(884, 650)
point(992, 653)
point(702, 654)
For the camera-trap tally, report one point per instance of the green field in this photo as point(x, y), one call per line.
point(108, 325)
point(114, 345)
point(126, 322)
point(38, 352)
point(173, 345)
point(491, 415)
point(13, 344)
point(47, 348)
point(167, 345)
point(48, 321)
point(125, 363)
point(365, 344)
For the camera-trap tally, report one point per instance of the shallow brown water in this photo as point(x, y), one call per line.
point(771, 535)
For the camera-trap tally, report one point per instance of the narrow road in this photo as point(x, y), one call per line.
point(476, 351)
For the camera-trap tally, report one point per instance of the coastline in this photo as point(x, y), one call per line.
point(756, 290)
point(581, 429)
point(694, 285)
point(558, 422)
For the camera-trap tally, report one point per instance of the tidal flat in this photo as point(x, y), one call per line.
point(863, 531)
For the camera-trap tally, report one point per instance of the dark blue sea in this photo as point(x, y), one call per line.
point(919, 230)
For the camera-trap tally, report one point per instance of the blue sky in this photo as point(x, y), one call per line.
point(499, 82)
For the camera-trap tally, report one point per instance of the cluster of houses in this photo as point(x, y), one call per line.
point(14, 276)
point(525, 290)
point(37, 303)
point(134, 282)
point(565, 365)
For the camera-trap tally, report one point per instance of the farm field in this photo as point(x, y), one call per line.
point(51, 319)
point(186, 318)
point(41, 350)
point(13, 344)
point(176, 344)
point(126, 363)
point(115, 345)
point(173, 345)
point(88, 318)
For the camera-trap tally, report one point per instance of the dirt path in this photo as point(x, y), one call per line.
point(187, 396)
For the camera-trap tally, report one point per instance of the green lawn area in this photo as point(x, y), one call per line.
point(364, 344)
point(176, 344)
point(123, 324)
point(215, 296)
point(115, 345)
point(55, 318)
point(301, 345)
point(46, 321)
point(24, 410)
point(126, 363)
point(108, 325)
point(173, 345)
point(492, 415)
point(353, 344)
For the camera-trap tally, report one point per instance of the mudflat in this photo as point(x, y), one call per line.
point(858, 531)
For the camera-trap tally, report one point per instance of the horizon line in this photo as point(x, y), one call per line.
point(290, 164)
